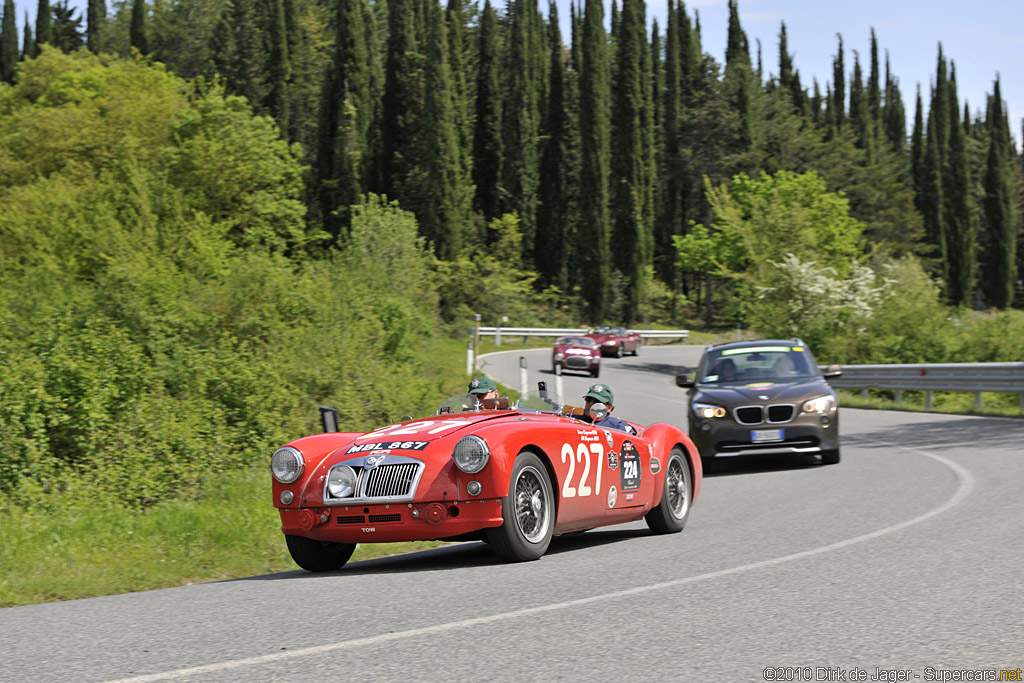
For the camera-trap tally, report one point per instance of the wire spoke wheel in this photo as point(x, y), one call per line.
point(532, 509)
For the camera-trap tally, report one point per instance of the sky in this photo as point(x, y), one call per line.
point(982, 38)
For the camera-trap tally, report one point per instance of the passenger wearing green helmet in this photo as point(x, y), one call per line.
point(601, 393)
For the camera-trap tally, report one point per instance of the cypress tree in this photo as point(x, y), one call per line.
point(894, 114)
point(444, 215)
point(956, 193)
point(403, 102)
point(28, 48)
point(1000, 207)
point(345, 115)
point(457, 67)
point(552, 214)
point(487, 141)
point(839, 87)
point(738, 80)
point(874, 89)
point(67, 28)
point(592, 231)
point(44, 25)
point(933, 169)
point(520, 177)
point(859, 115)
point(8, 44)
point(671, 172)
point(236, 48)
point(917, 152)
point(632, 155)
point(278, 64)
point(137, 30)
point(96, 14)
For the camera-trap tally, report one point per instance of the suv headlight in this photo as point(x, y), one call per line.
point(708, 411)
point(341, 482)
point(286, 464)
point(822, 404)
point(471, 454)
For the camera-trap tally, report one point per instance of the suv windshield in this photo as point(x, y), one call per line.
point(745, 365)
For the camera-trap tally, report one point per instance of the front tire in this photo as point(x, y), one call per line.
point(595, 372)
point(669, 517)
point(830, 457)
point(528, 511)
point(318, 556)
point(618, 351)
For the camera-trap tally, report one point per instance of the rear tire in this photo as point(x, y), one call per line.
point(528, 511)
point(318, 556)
point(830, 457)
point(669, 517)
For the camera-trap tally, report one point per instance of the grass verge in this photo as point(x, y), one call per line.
point(88, 549)
point(948, 402)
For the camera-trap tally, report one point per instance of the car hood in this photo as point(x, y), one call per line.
point(762, 391)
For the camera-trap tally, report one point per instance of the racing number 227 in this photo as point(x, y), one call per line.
point(581, 454)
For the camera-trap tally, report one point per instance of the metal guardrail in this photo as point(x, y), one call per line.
point(930, 377)
point(524, 332)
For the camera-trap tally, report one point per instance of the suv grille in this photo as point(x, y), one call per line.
point(781, 413)
point(750, 415)
point(755, 415)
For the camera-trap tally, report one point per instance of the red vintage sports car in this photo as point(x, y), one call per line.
point(512, 475)
point(576, 353)
point(616, 341)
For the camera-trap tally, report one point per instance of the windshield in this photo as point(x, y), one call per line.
point(608, 330)
point(575, 341)
point(751, 364)
point(461, 403)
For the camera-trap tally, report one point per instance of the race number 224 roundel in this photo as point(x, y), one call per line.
point(630, 467)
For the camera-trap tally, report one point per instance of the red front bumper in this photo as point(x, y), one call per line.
point(387, 523)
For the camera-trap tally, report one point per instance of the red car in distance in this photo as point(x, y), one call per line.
point(615, 341)
point(582, 354)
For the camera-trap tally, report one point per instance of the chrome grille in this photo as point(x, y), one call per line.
point(576, 362)
point(387, 481)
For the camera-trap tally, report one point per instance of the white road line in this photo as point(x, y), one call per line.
point(964, 490)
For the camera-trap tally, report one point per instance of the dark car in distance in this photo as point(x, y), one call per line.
point(576, 353)
point(615, 341)
point(765, 397)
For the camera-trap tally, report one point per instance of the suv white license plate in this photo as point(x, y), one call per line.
point(765, 435)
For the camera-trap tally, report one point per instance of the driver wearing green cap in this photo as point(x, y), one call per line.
point(601, 393)
point(483, 388)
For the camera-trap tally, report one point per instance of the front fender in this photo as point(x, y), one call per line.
point(663, 438)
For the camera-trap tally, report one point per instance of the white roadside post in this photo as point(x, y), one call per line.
point(469, 358)
point(558, 385)
point(523, 379)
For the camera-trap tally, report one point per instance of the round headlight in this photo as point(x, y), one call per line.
point(341, 482)
point(471, 454)
point(287, 464)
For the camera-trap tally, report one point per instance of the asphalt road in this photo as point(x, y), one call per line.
point(905, 557)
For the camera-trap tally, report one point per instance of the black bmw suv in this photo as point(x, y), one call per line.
point(762, 397)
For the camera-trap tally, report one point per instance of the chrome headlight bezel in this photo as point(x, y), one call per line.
point(706, 411)
point(287, 464)
point(819, 405)
point(471, 454)
point(342, 481)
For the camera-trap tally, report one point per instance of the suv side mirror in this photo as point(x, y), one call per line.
point(833, 371)
point(684, 381)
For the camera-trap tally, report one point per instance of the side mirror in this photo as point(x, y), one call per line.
point(833, 371)
point(684, 381)
point(329, 418)
point(598, 411)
